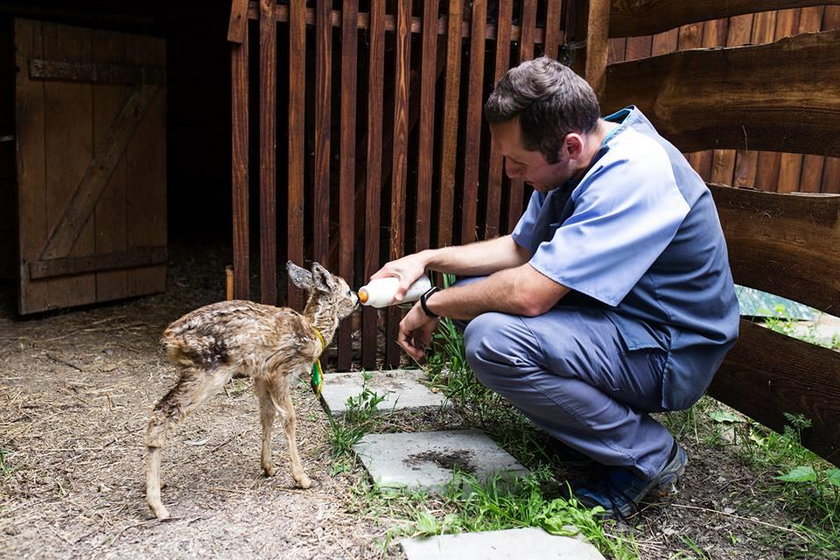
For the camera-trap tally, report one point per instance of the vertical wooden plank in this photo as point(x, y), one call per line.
point(297, 142)
point(347, 173)
point(495, 175)
point(31, 165)
point(746, 162)
point(831, 175)
point(528, 30)
point(690, 36)
point(110, 212)
point(739, 30)
point(810, 177)
point(69, 151)
point(268, 152)
point(768, 174)
point(831, 18)
point(146, 172)
point(399, 172)
point(516, 191)
point(665, 42)
point(373, 175)
point(472, 135)
point(617, 50)
point(638, 47)
point(831, 167)
point(597, 42)
point(239, 166)
point(323, 127)
point(428, 77)
point(449, 136)
point(714, 32)
point(553, 33)
point(798, 172)
point(714, 35)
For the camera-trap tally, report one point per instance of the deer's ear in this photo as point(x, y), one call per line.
point(322, 280)
point(300, 277)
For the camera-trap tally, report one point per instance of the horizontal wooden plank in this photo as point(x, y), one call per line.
point(630, 18)
point(768, 374)
point(416, 24)
point(134, 258)
point(782, 97)
point(98, 73)
point(784, 243)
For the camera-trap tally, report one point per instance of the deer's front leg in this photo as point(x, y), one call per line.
point(283, 402)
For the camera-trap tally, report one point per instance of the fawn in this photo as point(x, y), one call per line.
point(272, 345)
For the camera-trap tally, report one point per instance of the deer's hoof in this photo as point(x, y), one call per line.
point(269, 470)
point(159, 511)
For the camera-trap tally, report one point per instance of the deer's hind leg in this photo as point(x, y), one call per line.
point(195, 386)
point(273, 394)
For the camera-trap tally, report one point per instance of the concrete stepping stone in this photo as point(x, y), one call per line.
point(426, 461)
point(512, 544)
point(401, 388)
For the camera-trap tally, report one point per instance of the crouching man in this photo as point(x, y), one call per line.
point(611, 299)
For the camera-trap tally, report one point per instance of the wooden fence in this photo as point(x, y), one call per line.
point(371, 122)
point(368, 114)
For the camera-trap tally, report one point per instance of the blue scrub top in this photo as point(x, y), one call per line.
point(639, 237)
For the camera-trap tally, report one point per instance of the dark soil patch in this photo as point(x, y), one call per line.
point(453, 460)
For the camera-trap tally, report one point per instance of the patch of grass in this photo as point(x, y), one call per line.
point(781, 321)
point(357, 421)
point(472, 506)
point(799, 482)
point(5, 468)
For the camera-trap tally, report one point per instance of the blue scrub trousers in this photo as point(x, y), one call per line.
point(570, 373)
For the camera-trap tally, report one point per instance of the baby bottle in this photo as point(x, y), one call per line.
point(381, 292)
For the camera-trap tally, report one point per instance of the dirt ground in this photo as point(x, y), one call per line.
point(75, 392)
point(76, 389)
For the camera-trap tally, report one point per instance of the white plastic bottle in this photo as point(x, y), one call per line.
point(381, 292)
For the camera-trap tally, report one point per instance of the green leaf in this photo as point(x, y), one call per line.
point(426, 524)
point(799, 474)
point(721, 416)
point(833, 476)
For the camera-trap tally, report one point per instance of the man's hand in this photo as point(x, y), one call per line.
point(407, 269)
point(416, 330)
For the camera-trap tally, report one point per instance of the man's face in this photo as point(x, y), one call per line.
point(530, 166)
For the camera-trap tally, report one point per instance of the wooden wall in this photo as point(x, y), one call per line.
point(766, 99)
point(8, 221)
point(771, 171)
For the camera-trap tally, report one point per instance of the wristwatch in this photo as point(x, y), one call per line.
point(423, 304)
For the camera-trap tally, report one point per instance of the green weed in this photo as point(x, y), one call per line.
point(348, 429)
point(5, 468)
point(498, 504)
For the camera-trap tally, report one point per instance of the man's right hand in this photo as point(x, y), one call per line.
point(408, 269)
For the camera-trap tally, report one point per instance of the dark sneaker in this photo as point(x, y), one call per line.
point(620, 492)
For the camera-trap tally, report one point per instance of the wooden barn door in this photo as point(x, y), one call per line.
point(91, 165)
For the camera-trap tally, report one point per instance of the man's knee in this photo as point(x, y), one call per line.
point(495, 341)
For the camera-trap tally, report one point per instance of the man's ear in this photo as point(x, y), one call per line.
point(573, 145)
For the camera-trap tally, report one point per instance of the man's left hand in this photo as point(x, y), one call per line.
point(416, 330)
